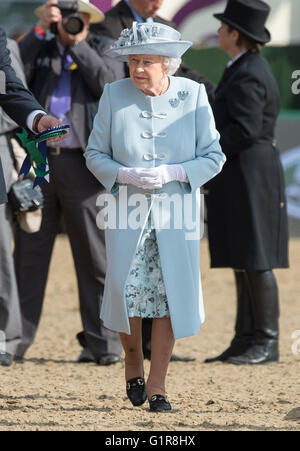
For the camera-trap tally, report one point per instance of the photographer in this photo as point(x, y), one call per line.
point(67, 75)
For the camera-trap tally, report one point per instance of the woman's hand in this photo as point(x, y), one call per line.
point(167, 173)
point(139, 177)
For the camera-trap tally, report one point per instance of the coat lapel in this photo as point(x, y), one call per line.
point(228, 72)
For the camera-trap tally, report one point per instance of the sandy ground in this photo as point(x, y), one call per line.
point(51, 392)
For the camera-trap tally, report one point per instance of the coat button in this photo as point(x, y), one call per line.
point(162, 195)
point(147, 135)
point(282, 204)
point(146, 114)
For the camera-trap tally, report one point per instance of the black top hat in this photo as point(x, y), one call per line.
point(248, 17)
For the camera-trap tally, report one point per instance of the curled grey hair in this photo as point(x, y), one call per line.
point(172, 64)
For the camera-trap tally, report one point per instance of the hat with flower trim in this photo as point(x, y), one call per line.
point(149, 39)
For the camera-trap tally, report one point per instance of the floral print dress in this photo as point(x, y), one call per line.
point(145, 289)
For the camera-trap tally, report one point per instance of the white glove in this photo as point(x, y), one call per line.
point(140, 177)
point(169, 173)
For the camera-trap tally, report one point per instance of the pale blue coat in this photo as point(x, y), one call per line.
point(180, 131)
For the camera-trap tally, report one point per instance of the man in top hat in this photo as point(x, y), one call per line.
point(247, 220)
point(126, 12)
point(67, 74)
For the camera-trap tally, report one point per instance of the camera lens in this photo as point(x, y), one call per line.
point(74, 25)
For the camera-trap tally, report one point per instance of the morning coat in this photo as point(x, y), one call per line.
point(247, 219)
point(135, 130)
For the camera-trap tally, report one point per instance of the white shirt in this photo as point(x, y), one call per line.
point(230, 63)
point(30, 118)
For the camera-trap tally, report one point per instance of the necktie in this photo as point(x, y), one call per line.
point(60, 103)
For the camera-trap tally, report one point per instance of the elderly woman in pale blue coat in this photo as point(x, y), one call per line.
point(153, 145)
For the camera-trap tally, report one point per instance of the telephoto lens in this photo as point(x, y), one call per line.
point(73, 25)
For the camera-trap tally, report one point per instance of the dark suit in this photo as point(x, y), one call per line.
point(71, 193)
point(121, 17)
point(10, 315)
point(246, 202)
point(15, 99)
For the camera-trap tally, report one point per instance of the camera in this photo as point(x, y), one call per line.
point(74, 24)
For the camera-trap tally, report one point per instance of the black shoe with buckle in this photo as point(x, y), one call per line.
point(159, 403)
point(136, 390)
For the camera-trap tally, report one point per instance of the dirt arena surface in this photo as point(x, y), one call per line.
point(51, 392)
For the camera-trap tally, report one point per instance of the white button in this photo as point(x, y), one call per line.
point(160, 115)
point(149, 114)
point(149, 135)
point(146, 114)
point(160, 135)
point(149, 156)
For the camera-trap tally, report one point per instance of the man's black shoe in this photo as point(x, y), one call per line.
point(5, 359)
point(233, 351)
point(258, 354)
point(86, 356)
point(178, 358)
point(174, 357)
point(109, 359)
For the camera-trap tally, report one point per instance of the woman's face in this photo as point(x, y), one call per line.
point(226, 38)
point(147, 72)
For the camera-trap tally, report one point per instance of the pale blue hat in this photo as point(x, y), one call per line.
point(149, 39)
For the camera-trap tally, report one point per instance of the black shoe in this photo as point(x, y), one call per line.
point(136, 390)
point(109, 359)
point(86, 356)
point(232, 351)
point(5, 359)
point(258, 354)
point(19, 359)
point(178, 358)
point(159, 403)
point(174, 357)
